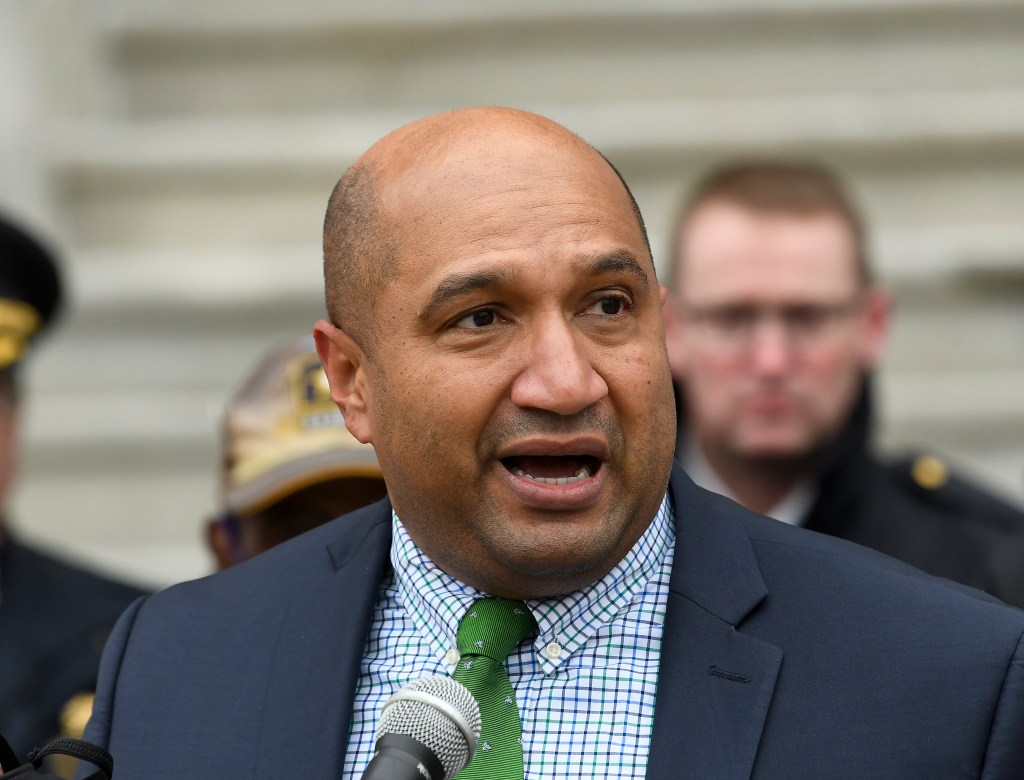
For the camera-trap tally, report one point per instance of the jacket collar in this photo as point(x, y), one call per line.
point(714, 566)
point(308, 708)
point(715, 683)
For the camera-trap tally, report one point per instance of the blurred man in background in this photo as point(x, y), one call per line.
point(289, 463)
point(774, 326)
point(54, 617)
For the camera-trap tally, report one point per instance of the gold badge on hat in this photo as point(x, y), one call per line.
point(311, 395)
point(18, 323)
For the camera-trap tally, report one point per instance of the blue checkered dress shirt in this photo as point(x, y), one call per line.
point(585, 686)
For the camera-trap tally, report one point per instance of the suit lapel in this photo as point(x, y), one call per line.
point(715, 683)
point(318, 654)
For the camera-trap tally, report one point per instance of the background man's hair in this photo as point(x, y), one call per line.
point(786, 187)
point(360, 253)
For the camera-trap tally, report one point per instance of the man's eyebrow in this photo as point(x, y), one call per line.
point(618, 262)
point(462, 283)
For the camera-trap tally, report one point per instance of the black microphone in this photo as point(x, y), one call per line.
point(76, 748)
point(429, 729)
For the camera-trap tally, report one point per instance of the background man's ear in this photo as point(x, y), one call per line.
point(877, 313)
point(345, 366)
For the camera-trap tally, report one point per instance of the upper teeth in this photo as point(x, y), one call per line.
point(583, 473)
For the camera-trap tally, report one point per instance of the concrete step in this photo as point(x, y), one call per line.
point(190, 16)
point(914, 120)
point(284, 278)
point(190, 58)
point(941, 186)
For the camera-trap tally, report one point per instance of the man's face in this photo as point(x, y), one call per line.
point(770, 331)
point(518, 395)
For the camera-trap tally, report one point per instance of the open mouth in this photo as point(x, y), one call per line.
point(552, 469)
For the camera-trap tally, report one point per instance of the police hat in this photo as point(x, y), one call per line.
point(30, 291)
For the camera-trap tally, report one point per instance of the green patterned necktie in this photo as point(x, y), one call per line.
point(487, 634)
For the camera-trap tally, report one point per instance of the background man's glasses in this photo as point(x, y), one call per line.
point(733, 326)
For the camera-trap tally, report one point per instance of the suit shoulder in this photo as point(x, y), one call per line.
point(283, 572)
point(835, 573)
point(766, 533)
point(773, 538)
point(809, 579)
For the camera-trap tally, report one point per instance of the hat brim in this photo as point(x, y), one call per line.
point(288, 478)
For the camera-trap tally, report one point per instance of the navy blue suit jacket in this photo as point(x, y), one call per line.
point(786, 654)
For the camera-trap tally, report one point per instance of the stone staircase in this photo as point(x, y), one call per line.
point(184, 151)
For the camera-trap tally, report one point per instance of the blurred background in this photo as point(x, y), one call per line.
point(179, 153)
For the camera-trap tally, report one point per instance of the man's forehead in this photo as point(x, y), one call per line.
point(466, 181)
point(722, 242)
point(522, 166)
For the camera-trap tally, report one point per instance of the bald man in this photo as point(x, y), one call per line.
point(495, 331)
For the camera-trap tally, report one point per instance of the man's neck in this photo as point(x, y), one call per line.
point(760, 486)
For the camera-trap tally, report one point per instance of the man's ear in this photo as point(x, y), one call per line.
point(875, 333)
point(345, 365)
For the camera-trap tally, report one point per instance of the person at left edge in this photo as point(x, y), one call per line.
point(54, 616)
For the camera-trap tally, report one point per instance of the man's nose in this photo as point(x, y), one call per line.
point(771, 348)
point(557, 374)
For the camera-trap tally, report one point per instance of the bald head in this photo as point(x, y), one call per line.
point(359, 251)
point(509, 308)
point(379, 202)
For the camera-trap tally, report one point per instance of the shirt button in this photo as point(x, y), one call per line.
point(452, 656)
point(553, 650)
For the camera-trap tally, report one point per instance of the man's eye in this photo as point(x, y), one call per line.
point(477, 319)
point(731, 318)
point(609, 306)
point(806, 319)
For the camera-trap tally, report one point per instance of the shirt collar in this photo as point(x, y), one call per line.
point(436, 601)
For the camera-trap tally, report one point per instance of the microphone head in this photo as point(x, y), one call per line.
point(439, 713)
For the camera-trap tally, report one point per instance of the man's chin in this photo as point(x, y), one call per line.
point(774, 447)
point(576, 557)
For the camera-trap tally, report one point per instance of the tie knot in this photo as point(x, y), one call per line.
point(493, 627)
